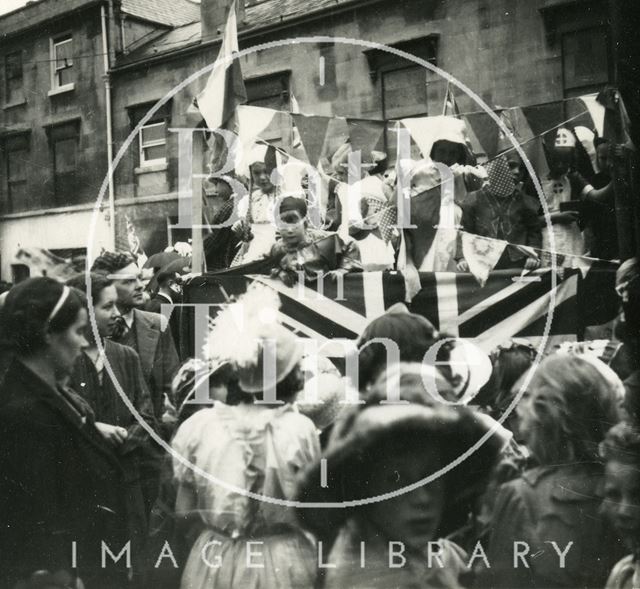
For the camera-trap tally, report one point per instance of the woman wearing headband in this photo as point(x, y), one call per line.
point(61, 484)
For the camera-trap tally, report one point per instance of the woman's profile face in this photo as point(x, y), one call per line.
point(64, 347)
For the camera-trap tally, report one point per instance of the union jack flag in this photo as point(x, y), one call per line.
point(508, 305)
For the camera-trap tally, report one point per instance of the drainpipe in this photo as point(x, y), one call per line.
point(107, 93)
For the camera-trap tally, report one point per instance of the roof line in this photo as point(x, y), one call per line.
point(53, 18)
point(148, 20)
point(243, 34)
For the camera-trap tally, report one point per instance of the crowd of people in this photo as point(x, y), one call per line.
point(433, 469)
point(497, 200)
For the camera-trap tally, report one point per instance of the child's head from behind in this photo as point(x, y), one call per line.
point(510, 362)
point(448, 152)
point(621, 451)
point(570, 408)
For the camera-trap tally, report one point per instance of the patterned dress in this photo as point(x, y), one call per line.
point(245, 448)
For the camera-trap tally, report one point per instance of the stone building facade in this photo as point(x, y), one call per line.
point(509, 52)
point(55, 57)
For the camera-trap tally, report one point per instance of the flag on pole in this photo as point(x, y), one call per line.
point(225, 86)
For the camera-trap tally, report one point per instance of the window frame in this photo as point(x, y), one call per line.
point(64, 131)
point(21, 143)
point(280, 79)
point(54, 42)
point(574, 91)
point(143, 162)
point(9, 99)
point(392, 70)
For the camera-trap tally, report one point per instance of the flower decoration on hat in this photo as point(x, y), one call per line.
point(246, 332)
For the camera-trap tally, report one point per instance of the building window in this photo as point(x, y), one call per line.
point(13, 77)
point(269, 91)
point(585, 61)
point(16, 164)
point(152, 136)
point(404, 93)
point(62, 63)
point(272, 91)
point(64, 140)
point(153, 144)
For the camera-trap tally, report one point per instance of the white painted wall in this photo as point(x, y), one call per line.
point(51, 231)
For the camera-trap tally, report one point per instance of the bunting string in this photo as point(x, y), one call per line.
point(539, 251)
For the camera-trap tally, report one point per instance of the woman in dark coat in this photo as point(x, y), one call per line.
point(139, 455)
point(60, 481)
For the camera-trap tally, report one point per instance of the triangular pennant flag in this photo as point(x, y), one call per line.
point(509, 117)
point(516, 121)
point(365, 136)
point(253, 122)
point(297, 146)
point(589, 112)
point(336, 135)
point(616, 119)
point(476, 147)
point(225, 87)
point(544, 119)
point(482, 254)
point(312, 131)
point(425, 131)
point(485, 130)
point(585, 153)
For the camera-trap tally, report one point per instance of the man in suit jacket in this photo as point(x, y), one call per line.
point(169, 293)
point(145, 332)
